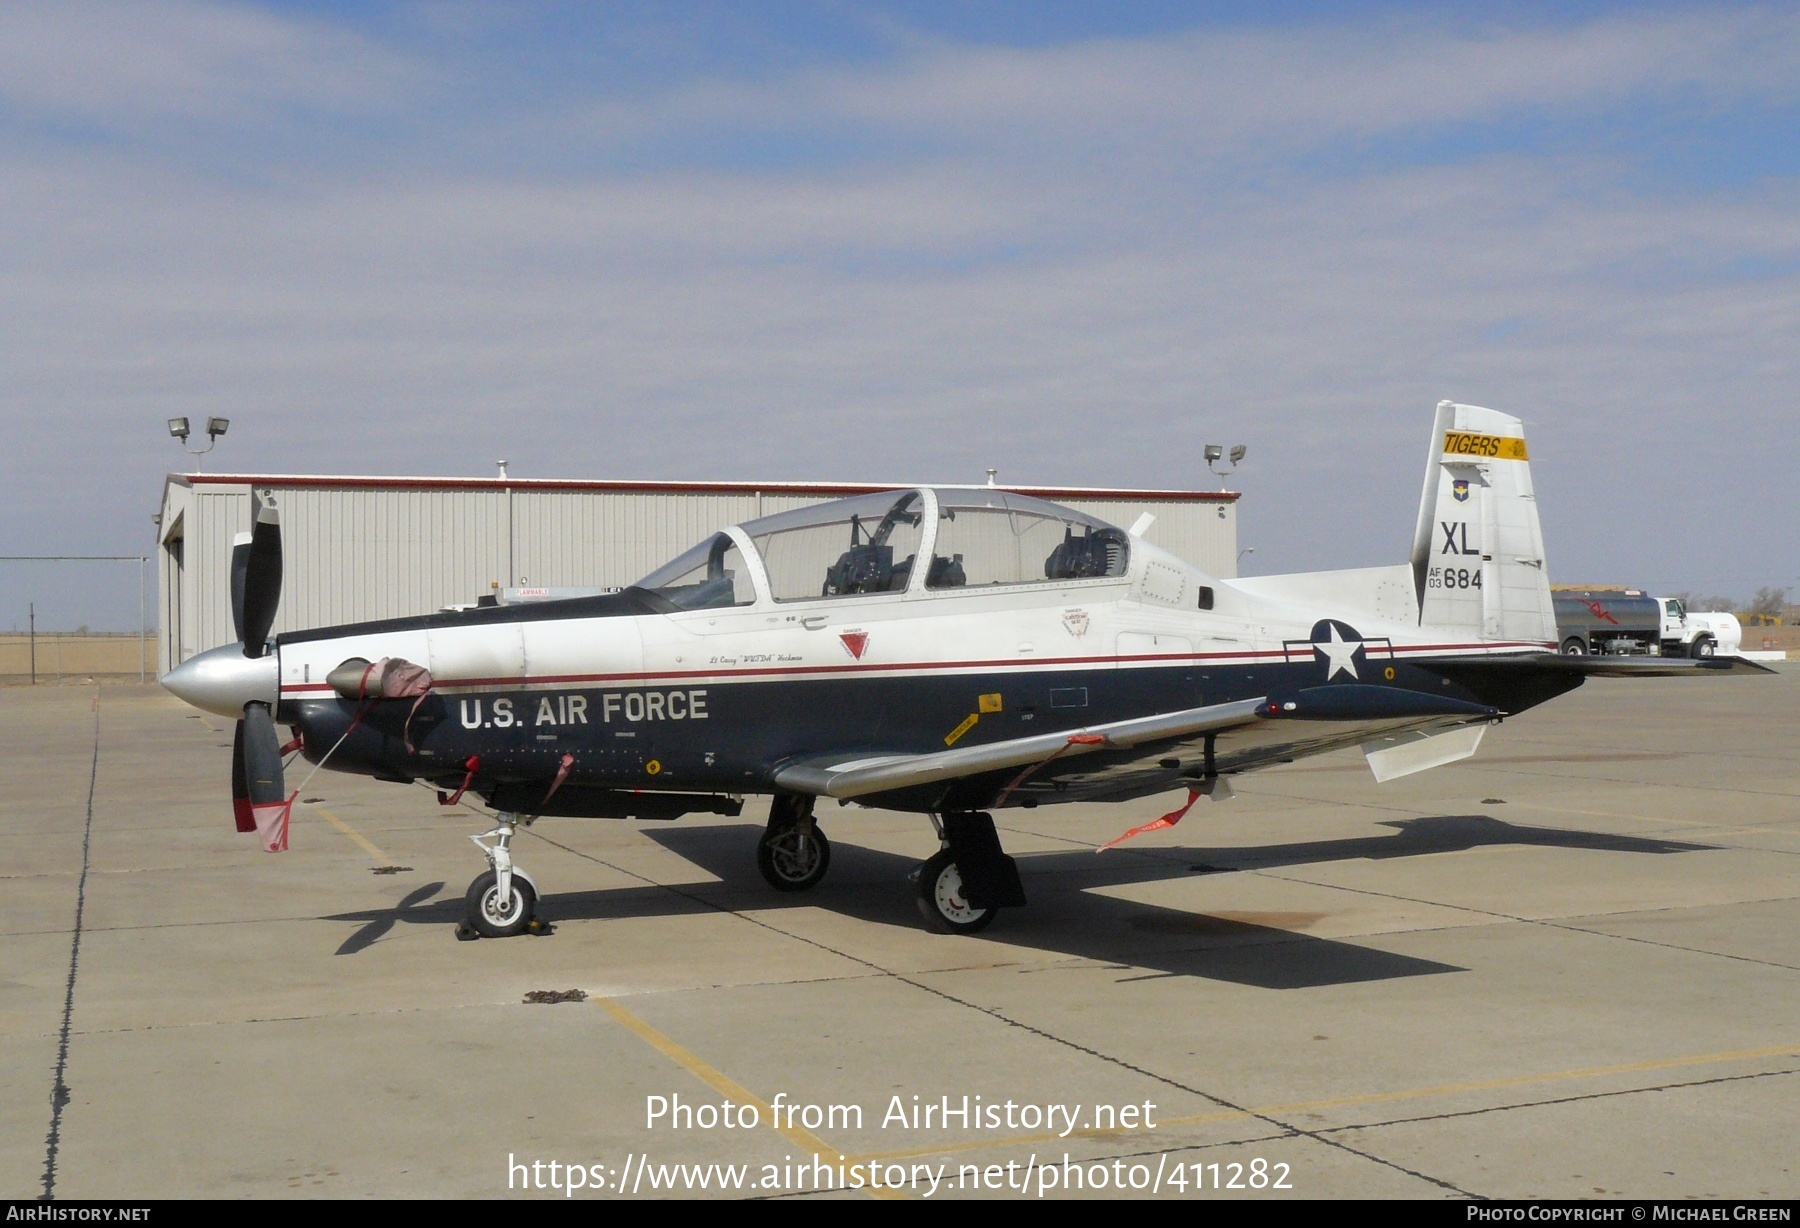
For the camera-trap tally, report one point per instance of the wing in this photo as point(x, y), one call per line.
point(1138, 757)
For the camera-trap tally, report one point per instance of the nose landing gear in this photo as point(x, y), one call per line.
point(502, 901)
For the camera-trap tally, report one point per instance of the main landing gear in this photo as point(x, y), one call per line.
point(963, 887)
point(502, 901)
point(793, 853)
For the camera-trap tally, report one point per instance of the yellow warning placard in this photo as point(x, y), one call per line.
point(951, 737)
point(990, 703)
point(1488, 447)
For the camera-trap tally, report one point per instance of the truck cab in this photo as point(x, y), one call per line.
point(1697, 635)
point(1675, 631)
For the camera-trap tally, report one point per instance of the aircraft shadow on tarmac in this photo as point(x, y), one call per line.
point(1066, 913)
point(1066, 916)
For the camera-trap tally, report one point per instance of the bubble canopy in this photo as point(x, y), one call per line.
point(977, 537)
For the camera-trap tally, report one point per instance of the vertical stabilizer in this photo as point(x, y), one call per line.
point(1478, 550)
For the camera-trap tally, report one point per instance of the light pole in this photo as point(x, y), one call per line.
point(215, 427)
point(1214, 452)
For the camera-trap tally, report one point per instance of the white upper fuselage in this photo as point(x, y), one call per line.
point(1147, 617)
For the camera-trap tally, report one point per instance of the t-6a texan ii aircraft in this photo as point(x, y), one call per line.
point(947, 650)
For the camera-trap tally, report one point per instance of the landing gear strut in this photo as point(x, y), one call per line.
point(970, 880)
point(502, 901)
point(793, 853)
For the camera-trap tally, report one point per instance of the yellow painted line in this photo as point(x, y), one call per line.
point(380, 857)
point(1013, 1140)
point(1611, 814)
point(1699, 825)
point(730, 1088)
point(1586, 1072)
point(1414, 1093)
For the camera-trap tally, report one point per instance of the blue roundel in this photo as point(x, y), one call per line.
point(1337, 645)
point(1321, 631)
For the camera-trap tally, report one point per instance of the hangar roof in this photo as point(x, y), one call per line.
point(822, 489)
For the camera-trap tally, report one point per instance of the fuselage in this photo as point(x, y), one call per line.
point(627, 692)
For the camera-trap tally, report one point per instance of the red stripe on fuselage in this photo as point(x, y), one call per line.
point(1248, 656)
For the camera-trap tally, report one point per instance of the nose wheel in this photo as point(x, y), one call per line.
point(493, 915)
point(793, 853)
point(502, 901)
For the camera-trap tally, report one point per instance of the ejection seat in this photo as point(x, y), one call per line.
point(1094, 553)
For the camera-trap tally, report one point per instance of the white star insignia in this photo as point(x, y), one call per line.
point(1340, 653)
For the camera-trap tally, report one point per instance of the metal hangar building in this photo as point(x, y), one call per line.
point(361, 548)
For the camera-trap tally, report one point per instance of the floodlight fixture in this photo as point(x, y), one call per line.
point(180, 428)
point(1216, 452)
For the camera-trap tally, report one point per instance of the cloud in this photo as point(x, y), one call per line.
point(1284, 87)
point(1083, 306)
point(124, 66)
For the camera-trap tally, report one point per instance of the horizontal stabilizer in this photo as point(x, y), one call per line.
point(1405, 753)
point(1602, 666)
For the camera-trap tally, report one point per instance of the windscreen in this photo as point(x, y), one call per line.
point(710, 576)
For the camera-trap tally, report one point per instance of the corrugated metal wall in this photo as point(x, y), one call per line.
point(214, 517)
point(354, 555)
point(609, 537)
point(357, 553)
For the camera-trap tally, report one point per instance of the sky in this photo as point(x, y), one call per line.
point(905, 242)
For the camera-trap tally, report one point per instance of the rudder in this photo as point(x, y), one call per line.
point(1478, 550)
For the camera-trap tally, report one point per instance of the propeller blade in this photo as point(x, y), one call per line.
point(262, 580)
point(240, 784)
point(263, 776)
point(240, 562)
point(262, 756)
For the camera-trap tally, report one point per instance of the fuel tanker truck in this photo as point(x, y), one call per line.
point(1628, 621)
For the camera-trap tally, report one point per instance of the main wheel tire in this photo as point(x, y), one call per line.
point(1702, 648)
point(493, 917)
point(1573, 647)
point(791, 861)
point(941, 900)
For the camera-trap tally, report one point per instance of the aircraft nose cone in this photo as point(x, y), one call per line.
point(223, 680)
